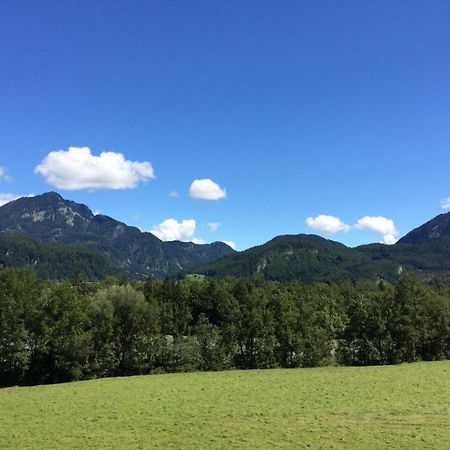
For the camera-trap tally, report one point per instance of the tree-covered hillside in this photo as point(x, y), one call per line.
point(312, 258)
point(54, 261)
point(305, 257)
point(60, 331)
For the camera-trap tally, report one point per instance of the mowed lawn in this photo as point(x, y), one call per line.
point(405, 406)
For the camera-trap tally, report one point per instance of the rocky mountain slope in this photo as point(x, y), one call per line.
point(49, 218)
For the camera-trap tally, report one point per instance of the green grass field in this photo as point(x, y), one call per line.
point(405, 406)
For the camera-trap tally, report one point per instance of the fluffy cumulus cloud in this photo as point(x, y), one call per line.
point(446, 203)
point(6, 197)
point(230, 244)
point(172, 230)
point(3, 175)
point(213, 226)
point(327, 224)
point(206, 189)
point(77, 168)
point(380, 225)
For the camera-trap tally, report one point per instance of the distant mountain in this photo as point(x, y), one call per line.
point(59, 237)
point(51, 219)
point(54, 261)
point(437, 228)
point(312, 258)
point(305, 257)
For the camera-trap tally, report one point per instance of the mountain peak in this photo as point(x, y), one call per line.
point(50, 195)
point(44, 216)
point(435, 228)
point(50, 218)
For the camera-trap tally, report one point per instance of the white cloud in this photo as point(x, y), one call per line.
point(206, 189)
point(78, 168)
point(327, 224)
point(6, 197)
point(174, 194)
point(136, 217)
point(213, 226)
point(380, 225)
point(230, 244)
point(446, 203)
point(198, 241)
point(3, 175)
point(172, 230)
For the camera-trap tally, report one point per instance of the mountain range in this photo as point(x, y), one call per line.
point(60, 237)
point(425, 249)
point(33, 228)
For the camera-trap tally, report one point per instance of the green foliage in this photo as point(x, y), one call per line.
point(61, 342)
point(123, 327)
point(64, 331)
point(211, 352)
point(53, 261)
point(19, 291)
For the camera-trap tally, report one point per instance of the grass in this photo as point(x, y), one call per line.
point(405, 406)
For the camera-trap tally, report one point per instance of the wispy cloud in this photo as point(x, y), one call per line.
point(4, 175)
point(213, 226)
point(445, 204)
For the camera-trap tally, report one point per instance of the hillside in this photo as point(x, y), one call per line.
point(404, 406)
point(306, 257)
point(51, 219)
point(312, 258)
point(435, 229)
point(53, 261)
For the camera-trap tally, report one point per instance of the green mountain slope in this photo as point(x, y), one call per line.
point(50, 218)
point(305, 257)
point(53, 261)
point(312, 258)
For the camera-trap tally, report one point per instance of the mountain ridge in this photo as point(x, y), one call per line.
point(114, 245)
point(309, 257)
point(51, 218)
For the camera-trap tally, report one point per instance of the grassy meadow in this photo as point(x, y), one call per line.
point(403, 406)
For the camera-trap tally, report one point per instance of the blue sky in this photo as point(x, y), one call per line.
point(297, 110)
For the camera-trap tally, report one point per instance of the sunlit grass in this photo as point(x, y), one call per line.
point(405, 406)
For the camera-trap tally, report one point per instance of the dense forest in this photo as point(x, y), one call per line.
point(67, 330)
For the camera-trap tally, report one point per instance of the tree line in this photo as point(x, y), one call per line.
point(70, 330)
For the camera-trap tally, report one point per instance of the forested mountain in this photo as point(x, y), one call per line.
point(53, 261)
point(59, 237)
point(51, 219)
point(313, 258)
point(306, 257)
